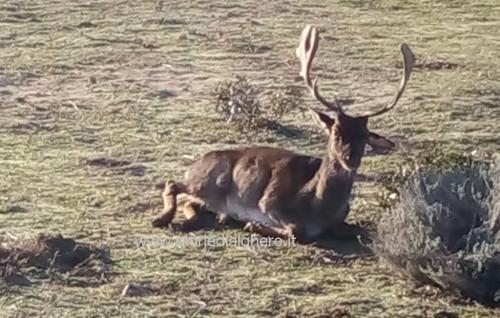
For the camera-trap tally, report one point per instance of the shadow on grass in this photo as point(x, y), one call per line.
point(289, 132)
point(352, 241)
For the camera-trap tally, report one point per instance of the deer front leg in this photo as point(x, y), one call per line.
point(272, 231)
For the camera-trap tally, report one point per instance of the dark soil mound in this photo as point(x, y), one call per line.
point(55, 257)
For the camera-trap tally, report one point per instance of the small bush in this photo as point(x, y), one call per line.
point(241, 104)
point(429, 158)
point(445, 230)
point(284, 101)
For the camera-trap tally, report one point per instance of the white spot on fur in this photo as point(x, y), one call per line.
point(237, 210)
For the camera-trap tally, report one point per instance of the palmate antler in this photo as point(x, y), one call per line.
point(408, 62)
point(306, 52)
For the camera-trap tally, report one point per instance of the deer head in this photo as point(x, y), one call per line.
point(347, 135)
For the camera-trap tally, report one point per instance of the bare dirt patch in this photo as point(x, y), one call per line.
point(55, 257)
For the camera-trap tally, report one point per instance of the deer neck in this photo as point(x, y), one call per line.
point(333, 185)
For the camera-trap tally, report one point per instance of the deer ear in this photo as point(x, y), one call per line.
point(380, 144)
point(323, 120)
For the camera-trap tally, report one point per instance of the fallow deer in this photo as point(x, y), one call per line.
point(276, 192)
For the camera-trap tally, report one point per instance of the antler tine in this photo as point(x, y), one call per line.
point(306, 51)
point(408, 62)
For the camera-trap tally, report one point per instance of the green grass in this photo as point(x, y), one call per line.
point(132, 81)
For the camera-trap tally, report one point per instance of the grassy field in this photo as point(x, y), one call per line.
point(101, 101)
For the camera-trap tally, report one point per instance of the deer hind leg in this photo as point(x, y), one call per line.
point(197, 216)
point(172, 189)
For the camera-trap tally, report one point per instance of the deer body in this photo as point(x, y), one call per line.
point(277, 192)
point(248, 185)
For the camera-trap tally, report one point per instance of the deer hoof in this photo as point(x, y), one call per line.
point(162, 221)
point(252, 227)
point(222, 218)
point(158, 223)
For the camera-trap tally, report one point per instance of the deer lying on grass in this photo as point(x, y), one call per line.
point(276, 192)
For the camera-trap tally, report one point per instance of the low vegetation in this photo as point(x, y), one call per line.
point(445, 230)
point(239, 103)
point(245, 107)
